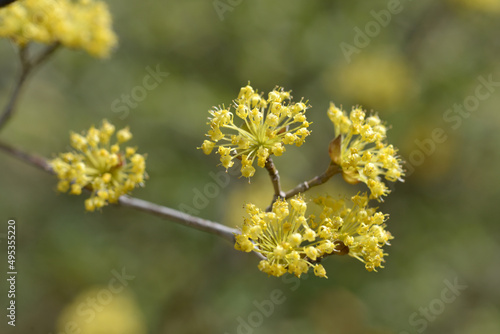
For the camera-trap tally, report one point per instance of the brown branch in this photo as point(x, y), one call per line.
point(275, 179)
point(182, 218)
point(30, 159)
point(316, 181)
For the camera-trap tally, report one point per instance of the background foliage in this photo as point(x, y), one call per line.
point(444, 217)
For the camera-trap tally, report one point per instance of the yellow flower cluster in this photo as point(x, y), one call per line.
point(284, 237)
point(292, 242)
point(360, 150)
point(100, 166)
point(80, 24)
point(360, 229)
point(264, 127)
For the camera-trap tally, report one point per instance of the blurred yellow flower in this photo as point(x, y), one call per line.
point(361, 151)
point(264, 127)
point(378, 80)
point(98, 311)
point(100, 166)
point(486, 6)
point(80, 24)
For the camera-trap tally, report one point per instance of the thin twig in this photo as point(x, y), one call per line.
point(9, 108)
point(138, 204)
point(45, 54)
point(316, 181)
point(180, 217)
point(30, 159)
point(275, 179)
point(27, 68)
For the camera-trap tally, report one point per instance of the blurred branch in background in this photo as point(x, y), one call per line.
point(27, 67)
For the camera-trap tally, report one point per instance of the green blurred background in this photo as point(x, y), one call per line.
point(444, 217)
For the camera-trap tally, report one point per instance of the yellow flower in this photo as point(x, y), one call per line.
point(360, 150)
point(81, 24)
point(100, 166)
point(382, 79)
point(358, 230)
point(263, 127)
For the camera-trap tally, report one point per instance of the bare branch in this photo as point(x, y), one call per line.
point(316, 181)
point(30, 159)
point(275, 179)
point(9, 108)
point(182, 218)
